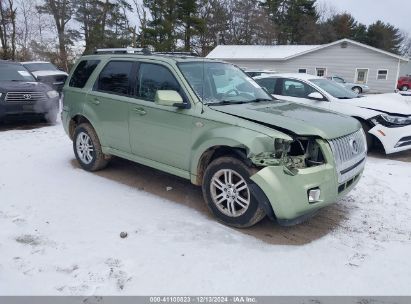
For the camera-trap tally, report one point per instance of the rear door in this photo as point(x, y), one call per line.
point(110, 98)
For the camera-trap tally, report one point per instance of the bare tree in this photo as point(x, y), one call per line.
point(62, 12)
point(8, 28)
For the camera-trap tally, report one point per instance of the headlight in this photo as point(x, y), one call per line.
point(52, 94)
point(396, 120)
point(281, 147)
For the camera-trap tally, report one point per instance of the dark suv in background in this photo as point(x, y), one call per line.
point(48, 73)
point(21, 96)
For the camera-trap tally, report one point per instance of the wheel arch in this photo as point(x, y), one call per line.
point(75, 121)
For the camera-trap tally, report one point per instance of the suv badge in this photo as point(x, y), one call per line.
point(27, 96)
point(354, 146)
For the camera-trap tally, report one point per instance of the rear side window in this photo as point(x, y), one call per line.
point(153, 77)
point(82, 73)
point(268, 84)
point(115, 78)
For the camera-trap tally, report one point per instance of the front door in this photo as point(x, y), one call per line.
point(159, 133)
point(297, 91)
point(361, 76)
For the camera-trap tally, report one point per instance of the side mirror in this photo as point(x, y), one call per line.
point(169, 98)
point(316, 96)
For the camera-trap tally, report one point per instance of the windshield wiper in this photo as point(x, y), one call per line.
point(345, 97)
point(225, 102)
point(259, 99)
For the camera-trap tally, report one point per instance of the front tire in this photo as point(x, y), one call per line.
point(227, 193)
point(404, 88)
point(368, 136)
point(87, 148)
point(357, 90)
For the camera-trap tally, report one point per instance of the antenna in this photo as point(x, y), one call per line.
point(202, 89)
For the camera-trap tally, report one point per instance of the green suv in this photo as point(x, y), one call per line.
point(208, 122)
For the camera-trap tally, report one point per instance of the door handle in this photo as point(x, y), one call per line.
point(95, 101)
point(140, 111)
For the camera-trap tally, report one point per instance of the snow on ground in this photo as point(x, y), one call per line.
point(60, 226)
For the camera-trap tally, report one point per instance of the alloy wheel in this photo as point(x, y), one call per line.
point(230, 192)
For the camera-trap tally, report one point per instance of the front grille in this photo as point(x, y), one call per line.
point(25, 97)
point(349, 153)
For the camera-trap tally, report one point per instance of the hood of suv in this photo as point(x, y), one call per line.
point(23, 86)
point(297, 118)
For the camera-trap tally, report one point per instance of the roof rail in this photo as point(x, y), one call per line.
point(127, 50)
point(189, 54)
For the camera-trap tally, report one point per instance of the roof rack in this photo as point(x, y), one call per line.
point(143, 51)
point(127, 50)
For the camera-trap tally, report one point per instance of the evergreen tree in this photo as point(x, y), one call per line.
point(190, 22)
point(161, 31)
point(103, 23)
point(384, 36)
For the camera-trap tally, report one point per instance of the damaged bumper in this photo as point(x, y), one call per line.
point(393, 139)
point(289, 194)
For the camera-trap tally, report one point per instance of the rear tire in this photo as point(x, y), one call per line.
point(87, 148)
point(228, 195)
point(404, 88)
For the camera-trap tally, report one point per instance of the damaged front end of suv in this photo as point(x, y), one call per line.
point(302, 152)
point(306, 173)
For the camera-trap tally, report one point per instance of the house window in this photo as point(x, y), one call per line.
point(321, 72)
point(302, 71)
point(361, 76)
point(382, 74)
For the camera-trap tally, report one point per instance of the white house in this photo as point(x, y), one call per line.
point(354, 61)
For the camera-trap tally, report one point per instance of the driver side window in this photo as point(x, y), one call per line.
point(295, 88)
point(153, 77)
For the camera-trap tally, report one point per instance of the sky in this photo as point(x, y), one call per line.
point(369, 11)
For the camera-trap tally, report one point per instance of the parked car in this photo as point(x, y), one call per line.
point(208, 122)
point(404, 83)
point(257, 72)
point(355, 87)
point(48, 73)
point(386, 117)
point(21, 96)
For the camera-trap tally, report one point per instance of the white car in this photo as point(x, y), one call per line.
point(355, 87)
point(48, 73)
point(386, 117)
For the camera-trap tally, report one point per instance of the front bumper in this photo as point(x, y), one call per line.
point(288, 194)
point(393, 139)
point(27, 109)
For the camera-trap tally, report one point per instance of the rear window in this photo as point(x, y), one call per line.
point(82, 73)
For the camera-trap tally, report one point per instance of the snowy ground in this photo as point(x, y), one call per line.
point(60, 226)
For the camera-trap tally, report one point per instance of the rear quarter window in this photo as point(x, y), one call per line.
point(82, 73)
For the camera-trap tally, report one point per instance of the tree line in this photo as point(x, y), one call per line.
point(57, 30)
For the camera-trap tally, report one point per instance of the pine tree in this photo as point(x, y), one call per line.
point(384, 36)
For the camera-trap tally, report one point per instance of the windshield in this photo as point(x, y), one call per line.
point(40, 66)
point(14, 72)
point(216, 82)
point(334, 89)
